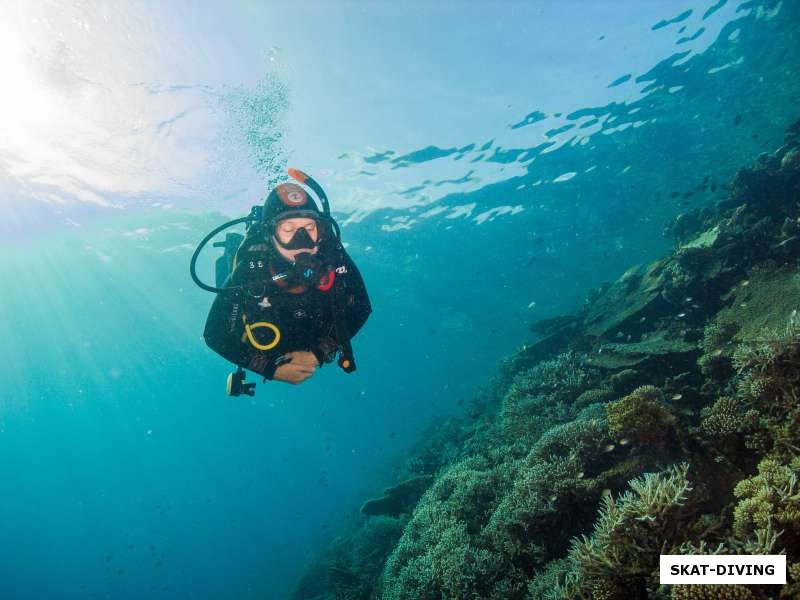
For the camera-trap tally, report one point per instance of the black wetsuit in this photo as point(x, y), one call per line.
point(303, 315)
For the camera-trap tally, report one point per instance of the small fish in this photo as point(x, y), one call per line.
point(394, 433)
point(688, 194)
point(745, 283)
point(580, 475)
point(609, 447)
point(713, 187)
point(677, 396)
point(717, 352)
point(643, 319)
point(620, 334)
point(705, 179)
point(624, 442)
point(681, 315)
point(737, 120)
point(674, 194)
point(688, 299)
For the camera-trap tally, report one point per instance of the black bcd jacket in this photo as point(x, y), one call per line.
point(255, 326)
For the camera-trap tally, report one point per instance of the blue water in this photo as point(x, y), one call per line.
point(490, 163)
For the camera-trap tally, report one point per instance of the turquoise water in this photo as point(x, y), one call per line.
point(490, 164)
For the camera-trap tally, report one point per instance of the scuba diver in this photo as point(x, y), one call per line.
point(289, 298)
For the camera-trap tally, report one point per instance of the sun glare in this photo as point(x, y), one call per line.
point(27, 107)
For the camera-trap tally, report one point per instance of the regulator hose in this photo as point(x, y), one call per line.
point(193, 263)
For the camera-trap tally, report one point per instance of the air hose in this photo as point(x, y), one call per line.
point(193, 264)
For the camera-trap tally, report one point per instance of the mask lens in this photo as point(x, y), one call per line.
point(292, 237)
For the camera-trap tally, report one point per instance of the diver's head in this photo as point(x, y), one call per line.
point(292, 218)
point(296, 235)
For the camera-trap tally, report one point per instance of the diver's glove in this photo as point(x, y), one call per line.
point(325, 350)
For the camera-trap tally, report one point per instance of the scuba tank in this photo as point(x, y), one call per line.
point(224, 264)
point(236, 250)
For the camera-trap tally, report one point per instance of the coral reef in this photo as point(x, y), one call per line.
point(629, 536)
point(398, 499)
point(442, 551)
point(727, 416)
point(711, 592)
point(769, 504)
point(664, 417)
point(350, 568)
point(538, 396)
point(641, 417)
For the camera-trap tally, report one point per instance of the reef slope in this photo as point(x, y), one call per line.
point(663, 418)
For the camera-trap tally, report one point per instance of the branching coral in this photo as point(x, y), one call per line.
point(769, 368)
point(594, 395)
point(715, 362)
point(768, 377)
point(553, 475)
point(727, 416)
point(582, 438)
point(529, 416)
point(521, 527)
point(768, 501)
point(792, 587)
point(641, 417)
point(562, 377)
point(440, 553)
point(716, 336)
point(548, 584)
point(539, 397)
point(711, 592)
point(630, 534)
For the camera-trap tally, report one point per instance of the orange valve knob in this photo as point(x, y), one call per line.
point(297, 174)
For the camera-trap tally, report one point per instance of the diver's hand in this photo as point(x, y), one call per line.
point(299, 367)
